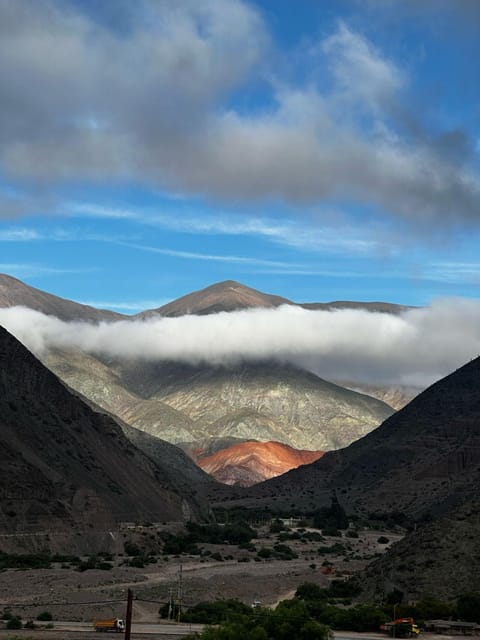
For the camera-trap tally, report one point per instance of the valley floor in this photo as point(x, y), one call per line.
point(84, 596)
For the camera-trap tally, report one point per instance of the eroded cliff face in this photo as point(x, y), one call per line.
point(247, 463)
point(67, 467)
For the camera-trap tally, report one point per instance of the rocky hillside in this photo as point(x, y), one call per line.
point(15, 293)
point(67, 467)
point(246, 463)
point(425, 458)
point(263, 401)
point(440, 558)
point(182, 403)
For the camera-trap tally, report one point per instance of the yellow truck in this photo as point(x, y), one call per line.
point(113, 624)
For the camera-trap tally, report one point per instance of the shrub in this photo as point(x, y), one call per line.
point(383, 540)
point(132, 549)
point(277, 526)
point(216, 612)
point(45, 616)
point(330, 531)
point(14, 623)
point(468, 606)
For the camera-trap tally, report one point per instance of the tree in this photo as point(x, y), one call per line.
point(468, 606)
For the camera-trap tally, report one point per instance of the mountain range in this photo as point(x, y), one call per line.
point(67, 466)
point(186, 404)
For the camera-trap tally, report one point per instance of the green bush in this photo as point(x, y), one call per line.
point(216, 612)
point(45, 616)
point(277, 526)
point(284, 552)
point(132, 549)
point(330, 531)
point(468, 606)
point(14, 623)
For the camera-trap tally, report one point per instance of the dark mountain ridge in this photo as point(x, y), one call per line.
point(66, 467)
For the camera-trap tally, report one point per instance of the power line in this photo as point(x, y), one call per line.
point(56, 604)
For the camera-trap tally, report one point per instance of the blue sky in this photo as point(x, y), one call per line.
point(317, 150)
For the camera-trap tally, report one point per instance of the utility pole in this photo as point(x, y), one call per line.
point(394, 617)
point(180, 592)
point(128, 617)
point(170, 604)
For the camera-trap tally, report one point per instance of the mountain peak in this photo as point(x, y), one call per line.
point(227, 295)
point(15, 293)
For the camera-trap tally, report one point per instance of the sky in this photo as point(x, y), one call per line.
point(318, 150)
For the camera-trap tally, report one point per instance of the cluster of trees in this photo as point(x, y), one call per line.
point(289, 620)
point(314, 611)
point(234, 533)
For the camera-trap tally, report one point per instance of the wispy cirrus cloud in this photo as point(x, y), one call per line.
point(191, 255)
point(454, 272)
point(340, 237)
point(19, 235)
point(32, 270)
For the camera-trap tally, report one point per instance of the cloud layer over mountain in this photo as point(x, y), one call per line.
point(414, 348)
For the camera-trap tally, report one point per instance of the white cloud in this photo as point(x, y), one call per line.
point(31, 270)
point(414, 348)
point(364, 77)
point(126, 306)
point(340, 237)
point(149, 104)
point(190, 255)
point(19, 235)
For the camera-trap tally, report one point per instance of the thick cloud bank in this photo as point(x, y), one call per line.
point(148, 95)
point(414, 348)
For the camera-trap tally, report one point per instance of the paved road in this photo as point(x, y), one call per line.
point(164, 628)
point(161, 631)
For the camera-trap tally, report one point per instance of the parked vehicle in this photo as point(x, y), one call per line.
point(401, 628)
point(113, 624)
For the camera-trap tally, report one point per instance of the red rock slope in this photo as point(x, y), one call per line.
point(250, 462)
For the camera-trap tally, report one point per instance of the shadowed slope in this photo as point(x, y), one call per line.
point(424, 458)
point(63, 464)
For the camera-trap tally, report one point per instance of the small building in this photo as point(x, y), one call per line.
point(452, 627)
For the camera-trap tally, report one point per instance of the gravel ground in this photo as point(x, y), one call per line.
point(83, 596)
